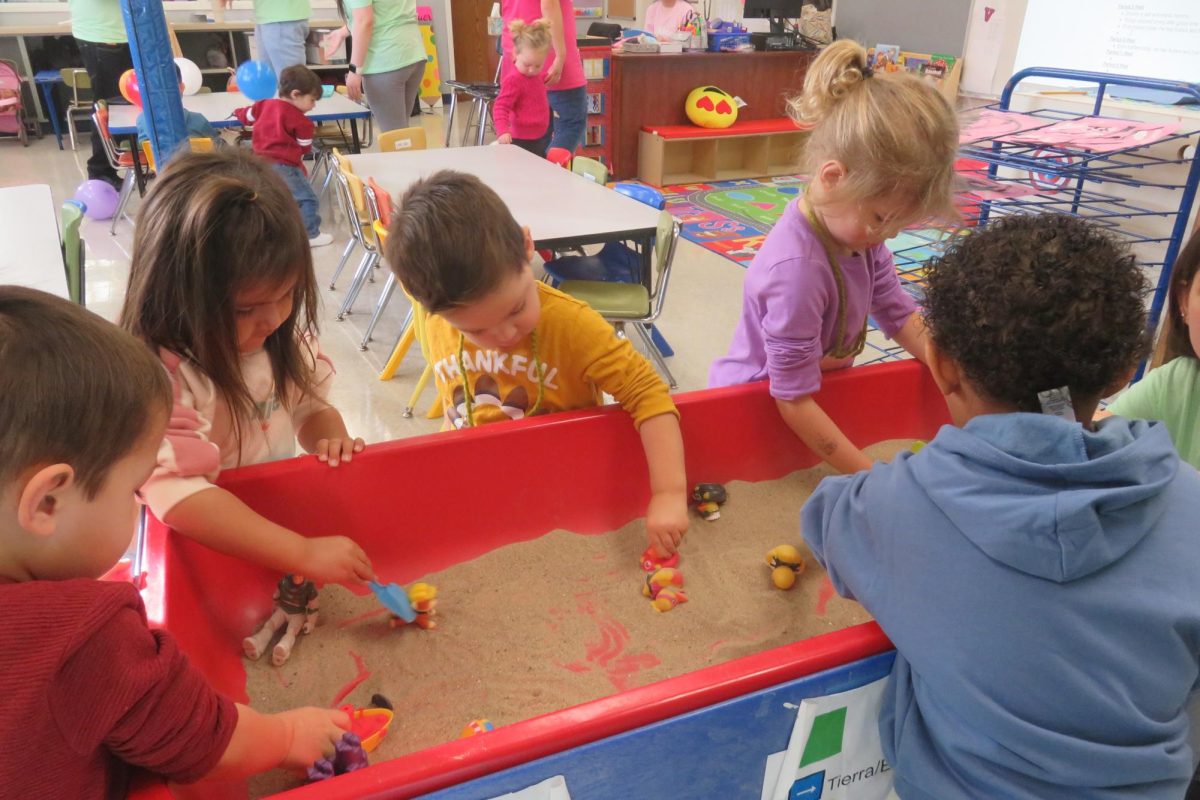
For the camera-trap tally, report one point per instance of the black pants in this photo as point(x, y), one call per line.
point(537, 146)
point(105, 64)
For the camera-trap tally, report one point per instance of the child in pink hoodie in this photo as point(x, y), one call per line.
point(521, 112)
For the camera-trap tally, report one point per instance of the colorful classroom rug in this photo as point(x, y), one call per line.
point(732, 218)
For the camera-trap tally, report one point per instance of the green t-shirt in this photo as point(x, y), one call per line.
point(97, 21)
point(281, 11)
point(1170, 393)
point(395, 38)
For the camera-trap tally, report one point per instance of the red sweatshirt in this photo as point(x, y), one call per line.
point(521, 109)
point(281, 131)
point(90, 690)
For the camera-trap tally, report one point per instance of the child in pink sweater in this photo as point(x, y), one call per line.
point(521, 112)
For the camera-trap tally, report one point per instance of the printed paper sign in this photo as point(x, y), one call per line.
point(834, 751)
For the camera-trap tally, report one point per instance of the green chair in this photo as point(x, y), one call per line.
point(591, 169)
point(70, 217)
point(632, 303)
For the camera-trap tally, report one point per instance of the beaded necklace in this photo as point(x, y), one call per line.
point(840, 349)
point(469, 393)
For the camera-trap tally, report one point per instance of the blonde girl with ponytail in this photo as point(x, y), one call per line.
point(880, 156)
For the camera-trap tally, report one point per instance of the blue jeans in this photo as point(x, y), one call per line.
point(281, 44)
point(306, 198)
point(568, 117)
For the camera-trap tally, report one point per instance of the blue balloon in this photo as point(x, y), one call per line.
point(257, 80)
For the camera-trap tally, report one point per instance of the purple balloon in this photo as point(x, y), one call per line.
point(99, 199)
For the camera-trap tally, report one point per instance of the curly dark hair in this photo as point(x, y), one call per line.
point(1037, 301)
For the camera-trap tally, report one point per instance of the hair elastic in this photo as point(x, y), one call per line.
point(867, 72)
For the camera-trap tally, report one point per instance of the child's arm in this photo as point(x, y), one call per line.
point(502, 110)
point(290, 739)
point(324, 434)
point(552, 10)
point(822, 435)
point(666, 517)
point(217, 519)
point(911, 336)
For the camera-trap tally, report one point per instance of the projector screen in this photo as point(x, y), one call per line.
point(1148, 38)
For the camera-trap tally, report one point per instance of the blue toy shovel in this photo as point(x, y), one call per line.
point(394, 599)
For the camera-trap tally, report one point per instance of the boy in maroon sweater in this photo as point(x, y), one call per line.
point(90, 690)
point(283, 134)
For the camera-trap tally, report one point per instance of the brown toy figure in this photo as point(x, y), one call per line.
point(296, 608)
point(709, 497)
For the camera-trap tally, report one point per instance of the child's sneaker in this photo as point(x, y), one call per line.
point(320, 240)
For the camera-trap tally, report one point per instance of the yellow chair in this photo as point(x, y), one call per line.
point(414, 330)
point(362, 230)
point(197, 144)
point(402, 139)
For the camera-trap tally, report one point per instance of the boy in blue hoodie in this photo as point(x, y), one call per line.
point(1039, 577)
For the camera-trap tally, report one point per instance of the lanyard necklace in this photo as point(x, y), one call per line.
point(840, 348)
point(469, 393)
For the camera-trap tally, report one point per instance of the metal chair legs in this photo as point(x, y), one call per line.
point(380, 305)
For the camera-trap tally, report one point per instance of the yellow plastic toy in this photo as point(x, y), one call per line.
point(786, 563)
point(710, 107)
point(664, 588)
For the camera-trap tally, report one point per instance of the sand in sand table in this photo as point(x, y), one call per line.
point(538, 626)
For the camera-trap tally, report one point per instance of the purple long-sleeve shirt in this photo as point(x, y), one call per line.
point(790, 309)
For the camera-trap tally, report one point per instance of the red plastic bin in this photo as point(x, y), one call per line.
point(583, 471)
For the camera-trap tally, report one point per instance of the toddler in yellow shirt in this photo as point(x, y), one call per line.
point(523, 347)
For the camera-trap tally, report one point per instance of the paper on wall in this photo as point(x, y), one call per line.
point(985, 40)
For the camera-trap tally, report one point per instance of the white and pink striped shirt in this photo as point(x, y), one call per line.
point(200, 439)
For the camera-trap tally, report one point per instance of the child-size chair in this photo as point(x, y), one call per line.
point(412, 330)
point(77, 80)
point(362, 228)
point(358, 220)
point(631, 303)
point(119, 159)
point(12, 105)
point(590, 168)
point(382, 201)
point(402, 139)
point(482, 95)
point(74, 250)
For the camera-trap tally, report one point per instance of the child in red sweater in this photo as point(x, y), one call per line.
point(283, 134)
point(90, 690)
point(521, 112)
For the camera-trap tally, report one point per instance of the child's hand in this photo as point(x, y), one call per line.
point(312, 734)
point(335, 451)
point(666, 521)
point(334, 559)
point(504, 138)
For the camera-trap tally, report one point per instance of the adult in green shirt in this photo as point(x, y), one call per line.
point(1171, 392)
point(387, 57)
point(280, 28)
point(99, 31)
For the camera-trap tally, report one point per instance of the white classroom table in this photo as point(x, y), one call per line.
point(217, 108)
point(562, 209)
point(30, 251)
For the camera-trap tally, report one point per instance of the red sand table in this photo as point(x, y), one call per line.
point(582, 471)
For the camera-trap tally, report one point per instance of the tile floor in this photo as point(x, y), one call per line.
point(702, 307)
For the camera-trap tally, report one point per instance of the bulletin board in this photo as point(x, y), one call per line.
point(622, 9)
